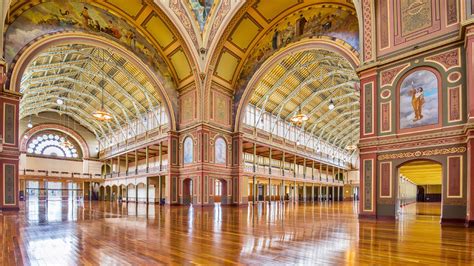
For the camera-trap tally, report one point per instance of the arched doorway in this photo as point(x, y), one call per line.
point(220, 191)
point(420, 189)
point(102, 193)
point(131, 193)
point(187, 191)
point(108, 192)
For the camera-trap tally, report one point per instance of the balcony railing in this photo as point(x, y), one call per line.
point(302, 150)
point(40, 172)
point(134, 142)
point(139, 171)
point(265, 170)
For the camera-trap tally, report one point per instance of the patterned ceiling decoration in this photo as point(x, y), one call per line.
point(310, 79)
point(76, 74)
point(261, 28)
point(138, 25)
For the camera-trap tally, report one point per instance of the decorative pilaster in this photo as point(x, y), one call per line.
point(9, 149)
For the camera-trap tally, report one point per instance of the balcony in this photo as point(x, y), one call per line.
point(288, 174)
point(138, 172)
point(58, 174)
point(134, 142)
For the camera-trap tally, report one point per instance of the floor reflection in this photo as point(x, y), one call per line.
point(71, 232)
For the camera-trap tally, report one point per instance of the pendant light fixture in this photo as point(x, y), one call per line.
point(299, 118)
point(29, 125)
point(101, 114)
point(331, 104)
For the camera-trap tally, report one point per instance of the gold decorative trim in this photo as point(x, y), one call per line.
point(414, 154)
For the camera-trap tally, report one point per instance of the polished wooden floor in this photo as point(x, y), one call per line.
point(67, 233)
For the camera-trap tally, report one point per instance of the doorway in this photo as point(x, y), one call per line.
point(420, 189)
point(220, 191)
point(187, 191)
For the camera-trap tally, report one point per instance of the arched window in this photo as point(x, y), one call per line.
point(220, 151)
point(53, 144)
point(188, 150)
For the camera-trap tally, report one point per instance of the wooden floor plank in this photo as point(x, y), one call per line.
point(69, 233)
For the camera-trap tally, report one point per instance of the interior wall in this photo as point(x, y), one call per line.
point(54, 118)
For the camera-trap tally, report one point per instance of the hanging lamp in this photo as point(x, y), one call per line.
point(299, 118)
point(102, 114)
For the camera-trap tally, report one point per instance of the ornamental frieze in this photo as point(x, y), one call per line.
point(414, 154)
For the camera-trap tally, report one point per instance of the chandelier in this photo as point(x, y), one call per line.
point(299, 117)
point(101, 114)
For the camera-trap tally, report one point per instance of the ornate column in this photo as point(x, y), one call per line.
point(239, 180)
point(9, 146)
point(172, 177)
point(469, 44)
point(368, 156)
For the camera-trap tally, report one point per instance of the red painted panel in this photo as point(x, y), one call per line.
point(454, 186)
point(385, 179)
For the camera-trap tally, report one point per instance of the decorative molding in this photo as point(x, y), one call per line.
point(385, 117)
point(368, 177)
point(454, 104)
point(454, 182)
point(367, 20)
point(447, 60)
point(386, 172)
point(385, 94)
point(387, 77)
point(416, 154)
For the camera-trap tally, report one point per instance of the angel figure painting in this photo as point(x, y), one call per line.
point(419, 100)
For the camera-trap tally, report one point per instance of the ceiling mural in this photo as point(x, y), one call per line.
point(52, 17)
point(201, 10)
point(334, 22)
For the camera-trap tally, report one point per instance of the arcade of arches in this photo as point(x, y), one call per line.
point(341, 110)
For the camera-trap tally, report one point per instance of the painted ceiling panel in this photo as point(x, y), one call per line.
point(227, 65)
point(270, 9)
point(181, 64)
point(160, 32)
point(131, 7)
point(245, 32)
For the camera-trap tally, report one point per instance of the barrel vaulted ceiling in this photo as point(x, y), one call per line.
point(132, 23)
point(76, 74)
point(310, 80)
point(229, 41)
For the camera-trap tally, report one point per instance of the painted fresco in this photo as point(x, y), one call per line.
point(52, 17)
point(220, 151)
point(419, 100)
point(201, 10)
point(322, 21)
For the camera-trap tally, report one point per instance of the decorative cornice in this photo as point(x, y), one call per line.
point(415, 154)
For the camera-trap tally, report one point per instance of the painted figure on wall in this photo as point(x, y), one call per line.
point(201, 9)
point(419, 100)
point(59, 16)
point(333, 22)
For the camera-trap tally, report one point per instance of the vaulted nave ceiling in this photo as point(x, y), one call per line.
point(310, 80)
point(76, 74)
